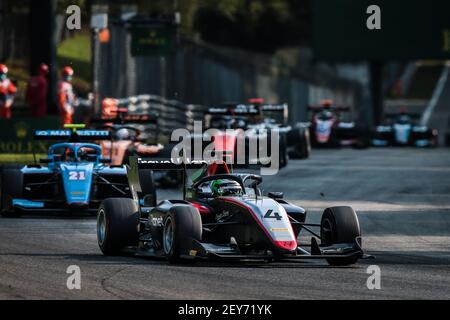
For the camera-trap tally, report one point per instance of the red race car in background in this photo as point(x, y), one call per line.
point(328, 129)
point(129, 139)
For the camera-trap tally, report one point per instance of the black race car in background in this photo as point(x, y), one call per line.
point(222, 216)
point(403, 131)
point(258, 118)
point(329, 129)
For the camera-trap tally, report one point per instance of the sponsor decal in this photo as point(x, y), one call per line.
point(221, 216)
point(156, 221)
point(279, 229)
point(193, 253)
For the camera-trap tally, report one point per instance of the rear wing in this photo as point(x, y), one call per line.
point(72, 136)
point(282, 108)
point(248, 109)
point(318, 108)
point(122, 116)
point(136, 164)
point(165, 164)
point(238, 110)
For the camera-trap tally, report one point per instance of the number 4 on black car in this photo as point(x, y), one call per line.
point(270, 214)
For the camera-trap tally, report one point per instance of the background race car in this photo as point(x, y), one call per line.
point(329, 129)
point(134, 134)
point(74, 177)
point(222, 216)
point(260, 121)
point(403, 131)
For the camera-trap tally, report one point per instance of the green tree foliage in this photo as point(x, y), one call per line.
point(259, 25)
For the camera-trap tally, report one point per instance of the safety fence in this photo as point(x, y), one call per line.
point(172, 114)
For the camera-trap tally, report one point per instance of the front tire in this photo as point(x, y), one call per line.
point(339, 225)
point(117, 225)
point(182, 225)
point(11, 187)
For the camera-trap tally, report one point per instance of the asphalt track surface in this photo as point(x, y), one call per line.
point(402, 197)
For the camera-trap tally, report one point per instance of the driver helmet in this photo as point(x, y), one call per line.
point(70, 155)
point(225, 188)
point(325, 115)
point(123, 134)
point(82, 154)
point(404, 119)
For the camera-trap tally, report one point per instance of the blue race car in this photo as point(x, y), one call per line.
point(74, 178)
point(404, 132)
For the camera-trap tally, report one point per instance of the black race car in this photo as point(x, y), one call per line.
point(223, 215)
point(259, 120)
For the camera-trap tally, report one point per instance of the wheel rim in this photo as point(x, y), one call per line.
point(101, 227)
point(168, 235)
point(327, 232)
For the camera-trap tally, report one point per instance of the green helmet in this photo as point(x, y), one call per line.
point(215, 187)
point(225, 188)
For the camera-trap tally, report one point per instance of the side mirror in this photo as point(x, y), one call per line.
point(45, 160)
point(276, 195)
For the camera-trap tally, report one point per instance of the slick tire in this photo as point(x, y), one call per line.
point(11, 187)
point(182, 225)
point(284, 158)
point(117, 225)
point(339, 225)
point(305, 146)
point(302, 144)
point(147, 186)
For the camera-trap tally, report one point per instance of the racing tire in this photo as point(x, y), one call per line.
point(305, 147)
point(12, 189)
point(447, 139)
point(284, 158)
point(363, 142)
point(147, 185)
point(182, 225)
point(117, 225)
point(302, 148)
point(339, 225)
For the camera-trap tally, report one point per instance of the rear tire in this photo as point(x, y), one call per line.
point(182, 225)
point(11, 187)
point(117, 225)
point(302, 148)
point(284, 159)
point(339, 225)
